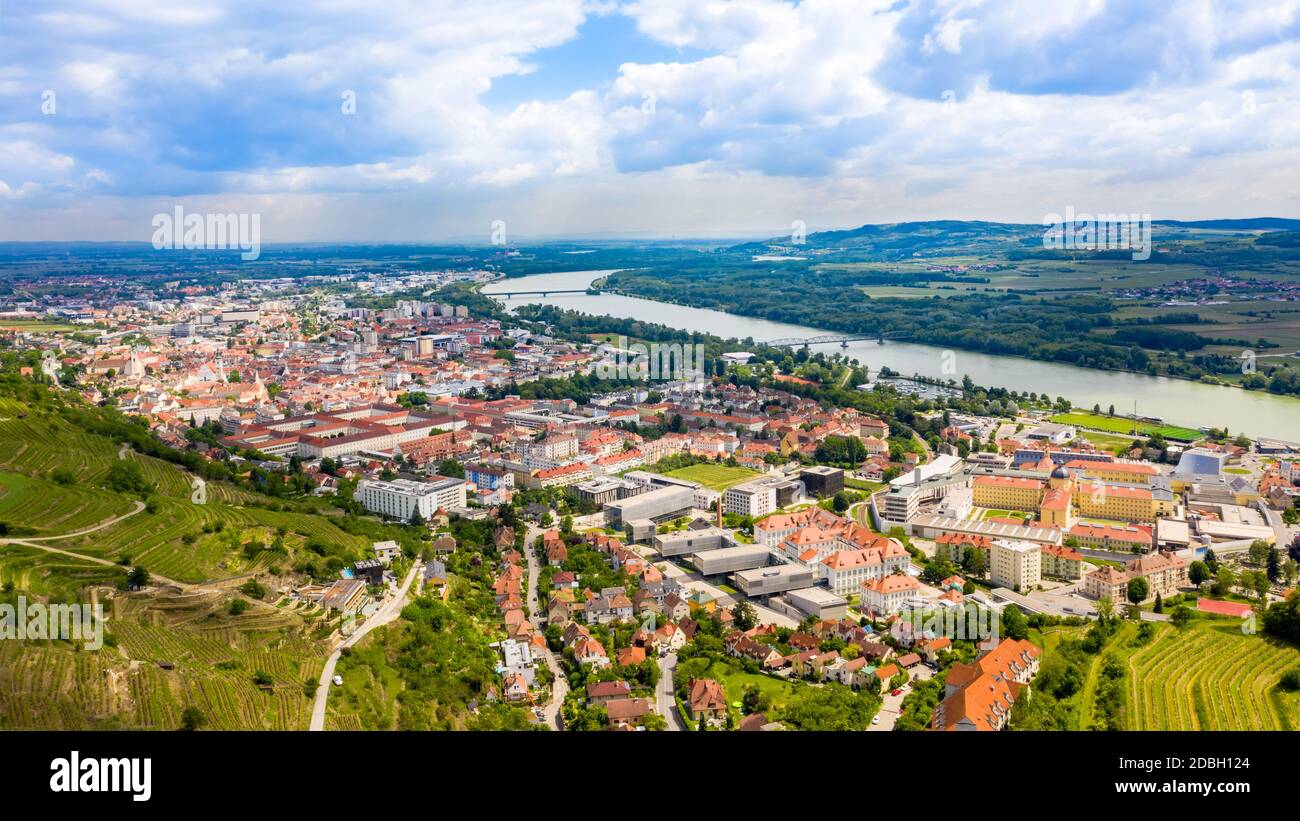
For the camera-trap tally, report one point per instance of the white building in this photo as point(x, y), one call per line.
point(750, 499)
point(889, 594)
point(1015, 564)
point(401, 498)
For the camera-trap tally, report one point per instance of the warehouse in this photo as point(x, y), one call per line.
point(730, 559)
point(692, 541)
point(764, 581)
point(664, 503)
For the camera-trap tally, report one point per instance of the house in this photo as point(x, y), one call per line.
point(670, 637)
point(435, 576)
point(675, 607)
point(559, 613)
point(515, 688)
point(609, 607)
point(600, 693)
point(631, 655)
point(629, 712)
point(745, 647)
point(706, 699)
point(345, 595)
point(590, 653)
point(979, 696)
point(930, 648)
point(386, 551)
point(643, 602)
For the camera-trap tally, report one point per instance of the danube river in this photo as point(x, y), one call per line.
point(1176, 401)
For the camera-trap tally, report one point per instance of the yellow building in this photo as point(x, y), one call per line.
point(1007, 493)
point(1096, 499)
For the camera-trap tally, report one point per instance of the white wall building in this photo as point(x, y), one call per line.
point(401, 498)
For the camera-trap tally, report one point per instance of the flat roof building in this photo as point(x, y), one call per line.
point(730, 559)
point(764, 581)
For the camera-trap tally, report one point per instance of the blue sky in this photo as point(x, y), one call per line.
point(670, 117)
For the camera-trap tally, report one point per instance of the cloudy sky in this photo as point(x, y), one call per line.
point(416, 120)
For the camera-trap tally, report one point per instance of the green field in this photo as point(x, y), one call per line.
point(1208, 676)
point(1118, 424)
point(212, 659)
point(716, 477)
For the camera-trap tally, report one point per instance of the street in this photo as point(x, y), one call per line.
point(664, 701)
point(390, 610)
point(560, 687)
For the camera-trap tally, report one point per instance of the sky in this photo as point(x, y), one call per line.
point(428, 120)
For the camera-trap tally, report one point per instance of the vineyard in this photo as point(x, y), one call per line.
point(172, 652)
point(1210, 677)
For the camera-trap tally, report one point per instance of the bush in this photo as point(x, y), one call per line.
point(1290, 680)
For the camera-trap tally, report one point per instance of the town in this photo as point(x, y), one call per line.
point(723, 553)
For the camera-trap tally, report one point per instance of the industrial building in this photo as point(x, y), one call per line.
point(819, 603)
point(660, 504)
point(730, 559)
point(692, 541)
point(822, 481)
point(764, 581)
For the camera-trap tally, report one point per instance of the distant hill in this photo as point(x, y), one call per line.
point(1251, 224)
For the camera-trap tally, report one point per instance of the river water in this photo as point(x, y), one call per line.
point(1176, 401)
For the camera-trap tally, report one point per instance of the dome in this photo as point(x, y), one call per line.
point(1060, 472)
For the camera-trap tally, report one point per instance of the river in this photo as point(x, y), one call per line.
point(1177, 401)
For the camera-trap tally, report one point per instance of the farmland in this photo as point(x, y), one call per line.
point(172, 652)
point(716, 477)
point(1208, 676)
point(1118, 424)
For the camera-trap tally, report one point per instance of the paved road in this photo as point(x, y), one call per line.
point(390, 610)
point(560, 684)
point(664, 701)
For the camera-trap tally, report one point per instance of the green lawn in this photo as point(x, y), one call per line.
point(716, 477)
point(1118, 424)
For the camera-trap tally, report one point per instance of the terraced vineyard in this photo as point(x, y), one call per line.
point(1210, 677)
point(173, 652)
point(51, 508)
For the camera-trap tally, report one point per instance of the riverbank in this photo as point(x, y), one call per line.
point(1189, 403)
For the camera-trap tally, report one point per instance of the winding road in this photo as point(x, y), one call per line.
point(560, 684)
point(389, 611)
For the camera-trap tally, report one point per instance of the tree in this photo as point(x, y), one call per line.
point(192, 718)
point(1159, 606)
point(125, 476)
point(1138, 589)
point(1182, 616)
point(973, 562)
point(1014, 623)
point(1198, 573)
point(1105, 610)
point(1224, 581)
point(1274, 565)
point(1258, 553)
point(744, 616)
point(452, 468)
point(1282, 618)
point(139, 577)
